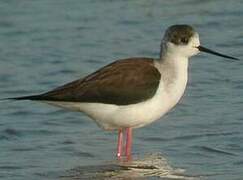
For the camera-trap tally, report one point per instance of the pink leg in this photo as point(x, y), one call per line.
point(119, 144)
point(129, 144)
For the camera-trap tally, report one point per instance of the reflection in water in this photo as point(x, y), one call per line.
point(151, 166)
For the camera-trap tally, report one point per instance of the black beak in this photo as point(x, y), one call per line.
point(203, 49)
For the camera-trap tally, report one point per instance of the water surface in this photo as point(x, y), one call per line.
point(44, 44)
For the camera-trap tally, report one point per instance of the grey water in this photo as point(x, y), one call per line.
point(44, 44)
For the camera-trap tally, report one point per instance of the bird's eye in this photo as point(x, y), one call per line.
point(184, 40)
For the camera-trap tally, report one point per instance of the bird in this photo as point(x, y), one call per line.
point(133, 92)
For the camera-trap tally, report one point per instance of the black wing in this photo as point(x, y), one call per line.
point(123, 82)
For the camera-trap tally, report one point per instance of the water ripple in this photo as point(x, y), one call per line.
point(214, 150)
point(74, 152)
point(11, 132)
point(188, 137)
point(151, 166)
point(11, 167)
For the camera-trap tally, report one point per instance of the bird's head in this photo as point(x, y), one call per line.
point(183, 40)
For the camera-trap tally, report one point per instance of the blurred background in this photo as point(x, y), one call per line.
point(44, 44)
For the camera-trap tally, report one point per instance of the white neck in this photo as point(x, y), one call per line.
point(174, 73)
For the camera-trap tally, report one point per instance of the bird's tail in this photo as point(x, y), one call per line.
point(33, 97)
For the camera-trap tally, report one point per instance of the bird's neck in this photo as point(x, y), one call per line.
point(174, 63)
point(174, 73)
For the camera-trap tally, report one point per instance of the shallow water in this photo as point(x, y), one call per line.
point(44, 44)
